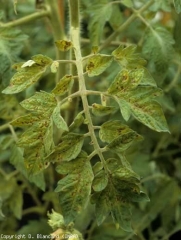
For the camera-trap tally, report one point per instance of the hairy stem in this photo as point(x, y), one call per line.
point(30, 18)
point(75, 35)
point(58, 34)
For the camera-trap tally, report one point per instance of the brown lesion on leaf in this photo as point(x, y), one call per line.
point(90, 66)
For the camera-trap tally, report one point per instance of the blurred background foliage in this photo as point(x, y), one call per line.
point(157, 33)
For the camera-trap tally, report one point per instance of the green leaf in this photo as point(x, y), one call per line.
point(78, 121)
point(116, 18)
point(63, 45)
point(177, 5)
point(28, 75)
point(35, 228)
point(124, 141)
point(58, 119)
point(158, 48)
point(127, 57)
point(163, 5)
point(63, 85)
point(97, 167)
point(177, 33)
point(124, 108)
point(100, 181)
point(75, 188)
point(127, 3)
point(68, 149)
point(101, 14)
point(97, 64)
point(1, 213)
point(16, 202)
point(42, 103)
point(139, 197)
point(112, 129)
point(100, 110)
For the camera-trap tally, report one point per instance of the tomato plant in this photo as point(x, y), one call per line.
point(90, 119)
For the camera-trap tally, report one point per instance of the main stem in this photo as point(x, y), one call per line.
point(75, 37)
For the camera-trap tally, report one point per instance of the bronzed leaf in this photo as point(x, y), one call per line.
point(63, 85)
point(68, 149)
point(75, 188)
point(113, 129)
point(127, 57)
point(124, 141)
point(27, 76)
point(42, 102)
point(100, 110)
point(97, 64)
point(63, 45)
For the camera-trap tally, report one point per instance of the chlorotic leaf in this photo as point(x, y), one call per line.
point(54, 66)
point(112, 129)
point(109, 202)
point(37, 142)
point(34, 159)
point(177, 5)
point(27, 120)
point(127, 57)
point(124, 141)
point(135, 97)
point(18, 162)
point(122, 188)
point(28, 74)
point(100, 181)
point(97, 64)
point(58, 119)
point(63, 85)
point(100, 110)
point(75, 188)
point(125, 80)
point(63, 45)
point(29, 63)
point(56, 220)
point(68, 149)
point(42, 60)
point(42, 102)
